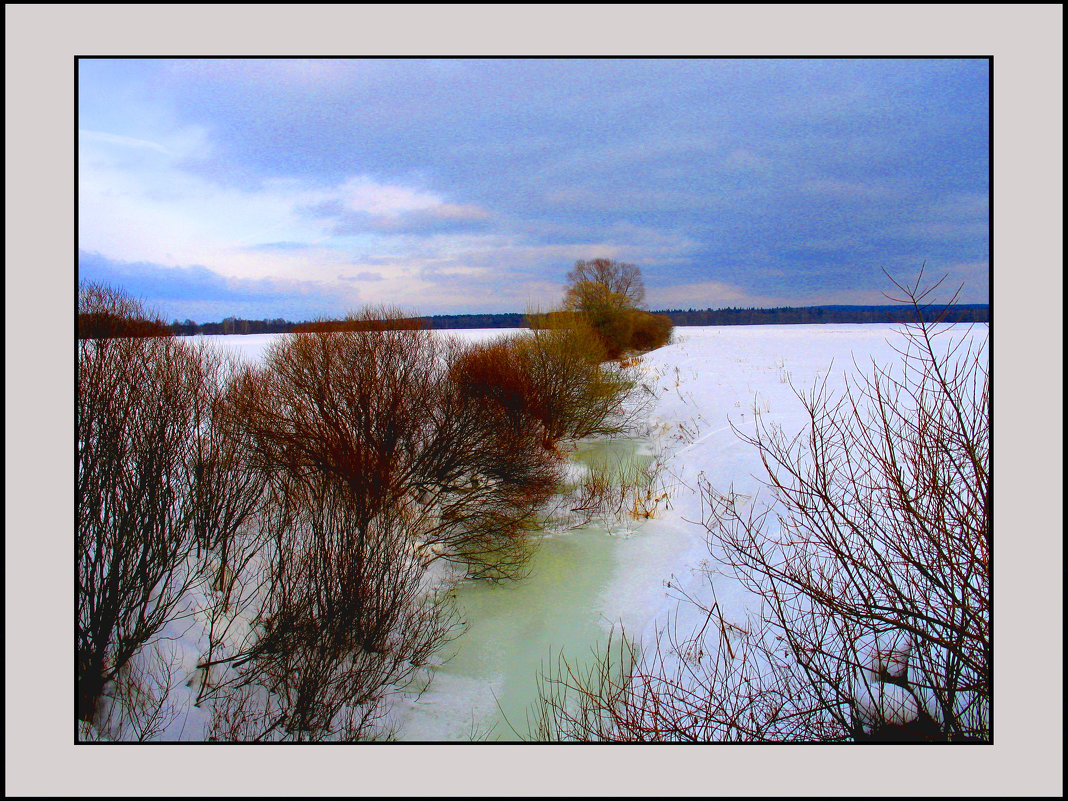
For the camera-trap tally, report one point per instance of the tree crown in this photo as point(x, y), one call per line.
point(600, 281)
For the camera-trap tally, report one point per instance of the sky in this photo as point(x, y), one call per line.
point(306, 188)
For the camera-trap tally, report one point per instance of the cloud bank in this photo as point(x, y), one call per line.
point(465, 185)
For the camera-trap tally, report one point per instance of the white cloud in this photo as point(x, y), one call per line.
point(361, 193)
point(152, 209)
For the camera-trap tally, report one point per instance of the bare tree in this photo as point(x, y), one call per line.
point(605, 281)
point(610, 295)
point(873, 566)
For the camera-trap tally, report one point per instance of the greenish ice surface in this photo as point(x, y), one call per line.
point(487, 688)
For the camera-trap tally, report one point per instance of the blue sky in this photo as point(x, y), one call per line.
point(301, 188)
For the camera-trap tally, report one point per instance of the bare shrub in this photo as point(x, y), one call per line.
point(601, 493)
point(885, 518)
point(346, 619)
point(136, 433)
point(555, 379)
point(649, 331)
point(380, 411)
point(227, 484)
point(488, 468)
point(105, 313)
point(229, 499)
point(583, 702)
point(495, 373)
point(679, 688)
point(577, 394)
point(140, 705)
point(873, 567)
point(337, 422)
point(614, 491)
point(350, 404)
point(163, 488)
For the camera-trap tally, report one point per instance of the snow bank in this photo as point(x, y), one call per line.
point(708, 380)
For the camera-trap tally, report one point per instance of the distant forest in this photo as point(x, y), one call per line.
point(786, 315)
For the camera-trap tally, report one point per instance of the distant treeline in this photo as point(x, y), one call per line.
point(237, 325)
point(234, 325)
point(789, 315)
point(785, 315)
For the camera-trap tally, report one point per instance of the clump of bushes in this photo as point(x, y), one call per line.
point(295, 506)
point(649, 331)
point(155, 483)
point(104, 313)
point(389, 321)
point(581, 395)
point(497, 375)
point(608, 295)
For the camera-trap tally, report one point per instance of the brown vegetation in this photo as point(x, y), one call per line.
point(609, 296)
point(649, 331)
point(556, 375)
point(344, 619)
point(388, 414)
point(294, 508)
point(389, 320)
point(137, 406)
point(107, 313)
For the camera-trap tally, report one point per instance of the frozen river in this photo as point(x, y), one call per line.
point(488, 685)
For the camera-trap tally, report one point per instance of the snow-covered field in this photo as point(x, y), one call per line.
point(711, 378)
point(252, 347)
